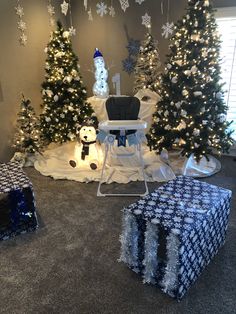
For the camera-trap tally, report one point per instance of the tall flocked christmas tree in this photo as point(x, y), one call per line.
point(27, 136)
point(192, 114)
point(146, 72)
point(64, 95)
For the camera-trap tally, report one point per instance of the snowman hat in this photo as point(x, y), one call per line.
point(97, 54)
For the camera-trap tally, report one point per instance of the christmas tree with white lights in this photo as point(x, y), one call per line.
point(191, 115)
point(64, 96)
point(27, 138)
point(147, 72)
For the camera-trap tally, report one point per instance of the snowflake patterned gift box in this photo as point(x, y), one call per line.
point(17, 205)
point(171, 235)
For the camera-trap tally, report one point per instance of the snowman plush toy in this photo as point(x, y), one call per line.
point(100, 87)
point(86, 152)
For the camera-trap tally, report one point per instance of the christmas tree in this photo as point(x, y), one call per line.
point(146, 72)
point(27, 138)
point(192, 114)
point(64, 95)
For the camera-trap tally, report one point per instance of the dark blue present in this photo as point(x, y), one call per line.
point(171, 235)
point(17, 204)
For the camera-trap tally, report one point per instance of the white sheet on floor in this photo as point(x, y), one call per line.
point(55, 163)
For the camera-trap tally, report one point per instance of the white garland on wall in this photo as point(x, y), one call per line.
point(21, 24)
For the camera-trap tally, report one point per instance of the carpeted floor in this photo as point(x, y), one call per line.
point(70, 264)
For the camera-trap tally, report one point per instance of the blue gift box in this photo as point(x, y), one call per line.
point(171, 235)
point(17, 204)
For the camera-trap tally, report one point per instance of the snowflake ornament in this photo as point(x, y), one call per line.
point(112, 12)
point(51, 9)
point(62, 45)
point(90, 15)
point(23, 39)
point(101, 9)
point(128, 65)
point(168, 29)
point(124, 4)
point(139, 1)
point(64, 7)
point(133, 47)
point(19, 10)
point(146, 20)
point(72, 31)
point(22, 25)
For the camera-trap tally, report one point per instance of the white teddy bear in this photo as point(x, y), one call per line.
point(86, 151)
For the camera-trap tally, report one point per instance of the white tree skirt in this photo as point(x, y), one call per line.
point(55, 163)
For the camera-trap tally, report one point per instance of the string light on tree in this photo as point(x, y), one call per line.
point(192, 84)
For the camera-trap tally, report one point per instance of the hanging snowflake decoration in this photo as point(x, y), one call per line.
point(101, 9)
point(133, 47)
point(64, 7)
point(21, 24)
point(139, 1)
point(168, 29)
point(129, 65)
point(72, 31)
point(90, 15)
point(85, 5)
point(124, 4)
point(112, 12)
point(51, 12)
point(146, 20)
point(19, 11)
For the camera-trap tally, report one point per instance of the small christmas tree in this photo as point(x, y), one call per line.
point(191, 114)
point(64, 95)
point(146, 72)
point(27, 138)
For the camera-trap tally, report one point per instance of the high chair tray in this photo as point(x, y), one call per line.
point(122, 125)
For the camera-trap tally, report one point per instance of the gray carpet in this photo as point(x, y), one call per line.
point(70, 264)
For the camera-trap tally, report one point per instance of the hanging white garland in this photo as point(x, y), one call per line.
point(21, 24)
point(51, 11)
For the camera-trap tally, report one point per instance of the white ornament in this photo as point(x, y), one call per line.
point(206, 3)
point(181, 126)
point(90, 15)
point(62, 115)
point(23, 39)
point(64, 7)
point(168, 30)
point(204, 54)
point(124, 4)
point(22, 25)
point(196, 145)
point(139, 1)
point(178, 105)
point(194, 69)
point(197, 94)
point(179, 62)
point(49, 92)
point(169, 66)
point(166, 113)
point(146, 20)
point(56, 98)
point(184, 92)
point(204, 122)
point(187, 73)
point(101, 9)
point(196, 132)
point(167, 127)
point(72, 31)
point(19, 10)
point(183, 113)
point(47, 119)
point(174, 80)
point(112, 12)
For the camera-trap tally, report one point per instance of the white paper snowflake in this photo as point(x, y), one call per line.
point(168, 29)
point(19, 10)
point(64, 7)
point(23, 39)
point(51, 10)
point(146, 20)
point(112, 12)
point(72, 31)
point(139, 1)
point(22, 25)
point(101, 9)
point(124, 4)
point(90, 15)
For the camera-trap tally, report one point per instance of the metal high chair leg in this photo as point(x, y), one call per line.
point(99, 193)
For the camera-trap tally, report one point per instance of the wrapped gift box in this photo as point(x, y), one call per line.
point(17, 205)
point(170, 235)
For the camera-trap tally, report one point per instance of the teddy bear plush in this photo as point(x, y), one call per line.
point(86, 152)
